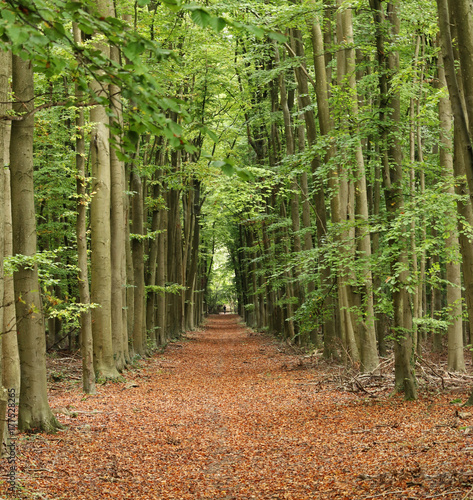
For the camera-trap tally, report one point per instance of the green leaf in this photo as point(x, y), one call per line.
point(176, 129)
point(201, 17)
point(211, 134)
point(73, 6)
point(226, 166)
point(218, 163)
point(121, 156)
point(255, 30)
point(133, 49)
point(142, 3)
point(133, 136)
point(279, 37)
point(228, 169)
point(88, 30)
point(243, 174)
point(217, 24)
point(8, 15)
point(60, 29)
point(173, 5)
point(17, 34)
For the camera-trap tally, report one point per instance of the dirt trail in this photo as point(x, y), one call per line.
point(222, 415)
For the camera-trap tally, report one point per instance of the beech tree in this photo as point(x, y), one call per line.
point(4, 65)
point(34, 411)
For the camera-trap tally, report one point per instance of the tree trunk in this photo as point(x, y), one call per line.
point(321, 216)
point(101, 272)
point(139, 334)
point(393, 183)
point(293, 289)
point(461, 13)
point(417, 297)
point(4, 88)
point(117, 229)
point(10, 356)
point(436, 299)
point(456, 361)
point(193, 258)
point(322, 80)
point(86, 339)
point(368, 349)
point(34, 412)
point(463, 147)
point(130, 279)
point(11, 359)
point(381, 319)
point(174, 256)
point(152, 271)
point(161, 278)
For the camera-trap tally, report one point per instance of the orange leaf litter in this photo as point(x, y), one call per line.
point(220, 416)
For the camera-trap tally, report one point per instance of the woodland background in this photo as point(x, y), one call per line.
point(319, 152)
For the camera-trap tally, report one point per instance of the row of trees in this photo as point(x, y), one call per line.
point(361, 230)
point(102, 133)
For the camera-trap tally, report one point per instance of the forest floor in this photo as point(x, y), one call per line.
point(226, 413)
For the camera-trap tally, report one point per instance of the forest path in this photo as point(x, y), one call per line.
point(224, 414)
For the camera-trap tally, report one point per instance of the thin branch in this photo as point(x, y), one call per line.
point(302, 67)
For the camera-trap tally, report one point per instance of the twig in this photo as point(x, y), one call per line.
point(466, 496)
point(385, 493)
point(445, 493)
point(61, 339)
point(301, 66)
point(358, 384)
point(432, 369)
point(383, 364)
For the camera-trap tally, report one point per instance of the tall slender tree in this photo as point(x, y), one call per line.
point(86, 339)
point(34, 411)
point(388, 22)
point(101, 272)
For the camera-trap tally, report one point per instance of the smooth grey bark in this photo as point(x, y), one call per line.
point(456, 361)
point(139, 333)
point(305, 103)
point(343, 216)
point(174, 301)
point(459, 109)
point(322, 78)
point(4, 66)
point(101, 271)
point(130, 279)
point(393, 186)
point(463, 146)
point(151, 271)
point(417, 298)
point(10, 355)
point(367, 331)
point(86, 339)
point(161, 278)
point(193, 253)
point(117, 230)
point(34, 412)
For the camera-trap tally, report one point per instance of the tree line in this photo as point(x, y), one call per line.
point(359, 237)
